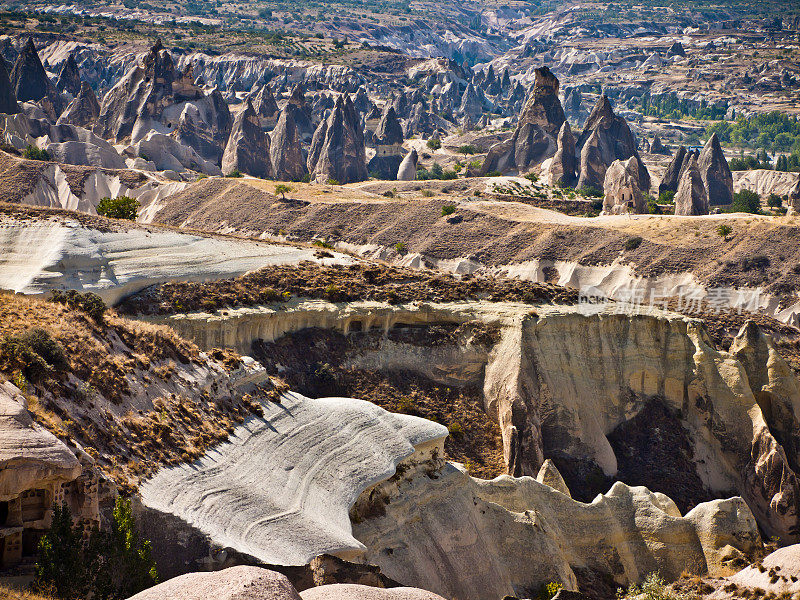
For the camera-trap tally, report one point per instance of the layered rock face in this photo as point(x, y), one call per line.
point(248, 148)
point(623, 189)
point(544, 366)
point(606, 137)
point(286, 150)
point(691, 198)
point(389, 146)
point(534, 139)
point(205, 126)
point(83, 110)
point(337, 150)
point(716, 174)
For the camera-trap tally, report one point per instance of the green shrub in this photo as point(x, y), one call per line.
point(90, 303)
point(468, 149)
point(456, 429)
point(494, 174)
point(60, 567)
point(653, 208)
point(400, 247)
point(745, 201)
point(122, 207)
point(633, 243)
point(652, 588)
point(774, 201)
point(428, 194)
point(434, 143)
point(588, 191)
point(448, 209)
point(322, 244)
point(532, 177)
point(332, 181)
point(33, 153)
point(235, 173)
point(35, 354)
point(666, 197)
point(724, 231)
point(548, 590)
point(282, 189)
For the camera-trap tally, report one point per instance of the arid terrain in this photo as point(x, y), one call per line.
point(399, 300)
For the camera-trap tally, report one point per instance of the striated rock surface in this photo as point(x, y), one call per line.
point(40, 255)
point(716, 174)
point(623, 189)
point(286, 150)
point(265, 105)
point(293, 476)
point(248, 148)
point(83, 110)
point(691, 198)
point(337, 150)
point(204, 126)
point(534, 139)
point(653, 370)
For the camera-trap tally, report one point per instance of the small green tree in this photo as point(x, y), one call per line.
point(60, 568)
point(34, 153)
point(122, 207)
point(746, 201)
point(120, 564)
point(434, 143)
point(282, 189)
point(724, 231)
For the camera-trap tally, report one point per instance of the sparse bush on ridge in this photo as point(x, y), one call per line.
point(122, 207)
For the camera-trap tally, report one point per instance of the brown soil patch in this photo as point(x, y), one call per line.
point(363, 281)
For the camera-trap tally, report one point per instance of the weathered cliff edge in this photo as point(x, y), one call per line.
point(561, 379)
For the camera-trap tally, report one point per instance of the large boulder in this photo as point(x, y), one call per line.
point(534, 139)
point(716, 174)
point(248, 148)
point(350, 591)
point(389, 147)
point(563, 167)
point(337, 150)
point(611, 139)
point(286, 151)
point(30, 81)
point(623, 191)
point(235, 583)
point(691, 198)
point(83, 110)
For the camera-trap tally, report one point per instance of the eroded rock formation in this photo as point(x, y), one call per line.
point(389, 147)
point(83, 110)
point(623, 189)
point(248, 148)
point(337, 150)
point(563, 167)
point(606, 137)
point(30, 81)
point(286, 150)
point(691, 198)
point(716, 174)
point(534, 139)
